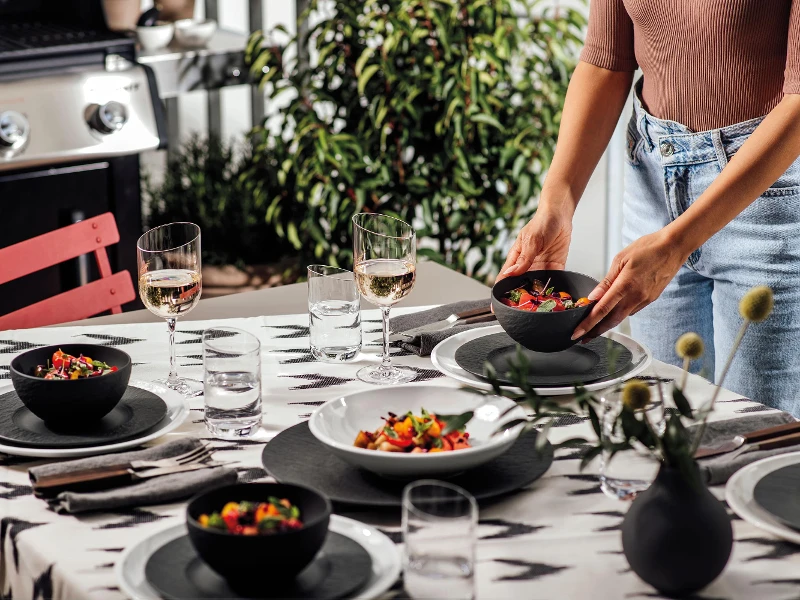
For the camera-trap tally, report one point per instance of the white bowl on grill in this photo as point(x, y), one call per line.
point(337, 422)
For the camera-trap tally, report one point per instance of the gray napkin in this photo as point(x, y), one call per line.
point(158, 490)
point(424, 344)
point(718, 469)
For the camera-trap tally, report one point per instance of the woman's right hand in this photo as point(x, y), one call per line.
point(542, 244)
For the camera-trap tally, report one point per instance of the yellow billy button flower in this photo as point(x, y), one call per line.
point(635, 394)
point(690, 345)
point(756, 305)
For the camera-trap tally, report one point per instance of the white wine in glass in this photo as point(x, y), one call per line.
point(170, 284)
point(385, 258)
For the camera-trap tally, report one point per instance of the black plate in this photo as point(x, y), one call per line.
point(343, 566)
point(577, 365)
point(777, 493)
point(296, 456)
point(138, 411)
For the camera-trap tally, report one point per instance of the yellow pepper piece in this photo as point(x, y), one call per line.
point(203, 520)
point(74, 374)
point(434, 430)
point(230, 507)
point(404, 428)
point(435, 450)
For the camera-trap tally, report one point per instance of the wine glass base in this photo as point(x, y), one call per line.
point(189, 388)
point(386, 375)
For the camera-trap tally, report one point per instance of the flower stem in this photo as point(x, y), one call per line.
point(686, 362)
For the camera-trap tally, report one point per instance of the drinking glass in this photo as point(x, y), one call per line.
point(334, 314)
point(232, 382)
point(385, 258)
point(170, 283)
point(630, 472)
point(439, 524)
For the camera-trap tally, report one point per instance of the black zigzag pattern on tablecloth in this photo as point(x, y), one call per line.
point(5, 372)
point(510, 529)
point(663, 597)
point(567, 420)
point(132, 518)
point(594, 489)
point(572, 452)
point(531, 572)
point(753, 409)
point(192, 357)
point(230, 446)
point(7, 460)
point(305, 356)
point(9, 491)
point(11, 527)
point(295, 331)
point(43, 585)
point(608, 513)
point(310, 403)
point(246, 475)
point(425, 374)
point(15, 347)
point(110, 340)
point(776, 549)
point(318, 381)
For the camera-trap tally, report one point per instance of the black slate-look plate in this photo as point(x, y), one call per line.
point(343, 566)
point(296, 456)
point(777, 493)
point(138, 411)
point(577, 365)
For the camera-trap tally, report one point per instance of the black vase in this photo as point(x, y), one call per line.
point(677, 536)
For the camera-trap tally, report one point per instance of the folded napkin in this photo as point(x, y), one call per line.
point(423, 344)
point(718, 469)
point(158, 490)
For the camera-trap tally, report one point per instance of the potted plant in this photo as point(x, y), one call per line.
point(204, 184)
point(444, 113)
point(676, 535)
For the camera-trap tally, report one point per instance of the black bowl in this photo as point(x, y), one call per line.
point(543, 332)
point(72, 402)
point(241, 558)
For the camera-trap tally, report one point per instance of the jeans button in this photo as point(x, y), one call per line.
point(667, 149)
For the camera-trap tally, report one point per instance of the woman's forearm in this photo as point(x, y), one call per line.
point(592, 107)
point(762, 159)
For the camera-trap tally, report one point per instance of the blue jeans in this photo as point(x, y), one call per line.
point(668, 168)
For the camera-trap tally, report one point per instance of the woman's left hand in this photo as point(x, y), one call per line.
point(637, 276)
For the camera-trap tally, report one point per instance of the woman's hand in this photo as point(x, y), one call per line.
point(637, 276)
point(542, 244)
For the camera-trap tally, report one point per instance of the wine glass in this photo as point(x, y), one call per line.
point(170, 283)
point(385, 258)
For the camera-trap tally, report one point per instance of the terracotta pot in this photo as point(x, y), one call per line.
point(174, 10)
point(122, 15)
point(677, 536)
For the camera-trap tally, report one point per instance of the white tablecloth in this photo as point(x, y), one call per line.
point(559, 539)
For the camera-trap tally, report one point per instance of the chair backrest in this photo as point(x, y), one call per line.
point(109, 292)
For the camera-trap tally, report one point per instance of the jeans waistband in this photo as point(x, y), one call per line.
point(680, 145)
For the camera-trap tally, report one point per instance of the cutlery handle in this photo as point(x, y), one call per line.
point(771, 432)
point(479, 319)
point(83, 481)
point(779, 442)
point(467, 314)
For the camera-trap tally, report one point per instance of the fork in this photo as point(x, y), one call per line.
point(198, 454)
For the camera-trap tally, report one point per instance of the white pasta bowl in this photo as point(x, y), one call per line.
point(337, 423)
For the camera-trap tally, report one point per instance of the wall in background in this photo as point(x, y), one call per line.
point(597, 225)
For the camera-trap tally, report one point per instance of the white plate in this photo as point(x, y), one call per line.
point(337, 422)
point(385, 558)
point(177, 411)
point(444, 359)
point(739, 495)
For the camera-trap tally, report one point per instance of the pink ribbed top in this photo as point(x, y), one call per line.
point(706, 63)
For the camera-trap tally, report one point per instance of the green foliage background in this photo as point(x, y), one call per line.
point(443, 112)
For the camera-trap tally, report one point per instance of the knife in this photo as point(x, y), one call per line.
point(110, 478)
point(752, 438)
point(468, 317)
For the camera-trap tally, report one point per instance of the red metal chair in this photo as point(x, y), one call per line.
point(109, 292)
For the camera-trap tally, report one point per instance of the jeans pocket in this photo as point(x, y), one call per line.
point(633, 142)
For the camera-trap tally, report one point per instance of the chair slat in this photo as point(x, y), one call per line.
point(79, 303)
point(58, 246)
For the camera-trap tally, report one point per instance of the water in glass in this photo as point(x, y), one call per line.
point(334, 314)
point(232, 382)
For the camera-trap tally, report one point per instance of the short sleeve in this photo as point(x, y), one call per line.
point(791, 77)
point(609, 39)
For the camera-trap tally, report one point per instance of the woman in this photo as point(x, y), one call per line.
point(712, 184)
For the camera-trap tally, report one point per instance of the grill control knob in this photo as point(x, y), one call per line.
point(14, 129)
point(109, 117)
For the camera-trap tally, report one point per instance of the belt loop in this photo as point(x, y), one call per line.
point(641, 125)
point(719, 148)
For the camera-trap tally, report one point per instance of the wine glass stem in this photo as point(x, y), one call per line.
point(173, 372)
point(386, 362)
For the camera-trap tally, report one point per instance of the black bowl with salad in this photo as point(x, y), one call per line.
point(71, 384)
